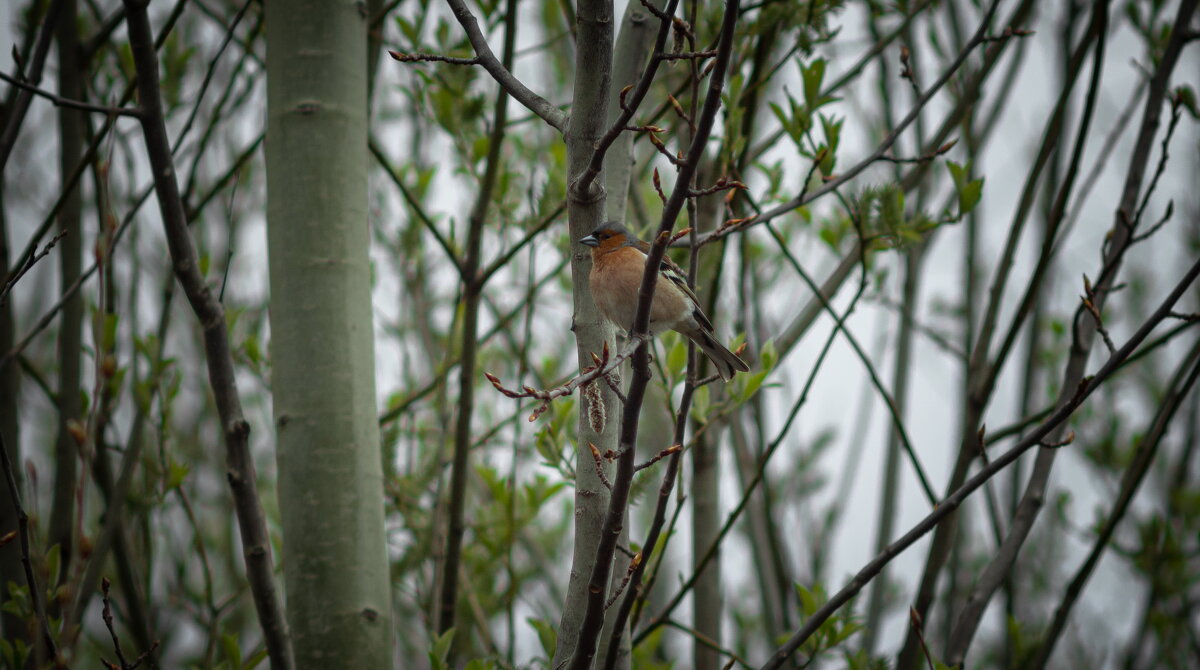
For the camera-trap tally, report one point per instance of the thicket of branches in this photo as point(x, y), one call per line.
point(957, 243)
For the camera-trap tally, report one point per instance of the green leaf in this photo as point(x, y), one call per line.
point(440, 650)
point(808, 601)
point(233, 651)
point(826, 159)
point(479, 148)
point(969, 196)
point(752, 384)
point(546, 635)
point(812, 75)
point(833, 131)
point(701, 403)
point(1186, 96)
point(252, 350)
point(176, 474)
point(958, 173)
point(845, 632)
point(767, 355)
point(53, 558)
point(677, 357)
point(830, 237)
point(255, 659)
point(407, 29)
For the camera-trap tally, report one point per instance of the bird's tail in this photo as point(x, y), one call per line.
point(726, 362)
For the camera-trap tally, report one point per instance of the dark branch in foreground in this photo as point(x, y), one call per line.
point(234, 427)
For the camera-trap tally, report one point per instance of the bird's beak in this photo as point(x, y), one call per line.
point(589, 241)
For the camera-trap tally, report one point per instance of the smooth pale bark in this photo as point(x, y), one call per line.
point(322, 344)
point(599, 410)
point(635, 41)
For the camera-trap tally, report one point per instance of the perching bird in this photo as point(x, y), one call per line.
point(618, 261)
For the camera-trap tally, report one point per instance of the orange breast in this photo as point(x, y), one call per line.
point(615, 280)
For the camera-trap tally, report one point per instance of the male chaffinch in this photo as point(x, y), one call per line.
point(618, 261)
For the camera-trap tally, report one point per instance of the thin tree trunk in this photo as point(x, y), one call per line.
point(472, 288)
point(599, 410)
point(322, 344)
point(70, 333)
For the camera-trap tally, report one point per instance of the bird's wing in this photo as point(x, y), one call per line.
point(668, 269)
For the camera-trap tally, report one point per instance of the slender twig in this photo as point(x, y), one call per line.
point(472, 288)
point(710, 643)
point(415, 204)
point(1164, 156)
point(1116, 245)
point(235, 428)
point(107, 616)
point(431, 58)
point(897, 420)
point(658, 457)
point(981, 372)
point(532, 101)
point(605, 363)
point(401, 407)
point(20, 272)
point(60, 101)
point(16, 109)
point(748, 490)
point(537, 229)
point(1089, 303)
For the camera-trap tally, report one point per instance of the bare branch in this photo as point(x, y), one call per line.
point(60, 101)
point(673, 449)
point(33, 260)
point(532, 101)
point(604, 364)
point(432, 58)
point(210, 313)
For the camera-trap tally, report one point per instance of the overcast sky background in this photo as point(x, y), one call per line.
point(935, 397)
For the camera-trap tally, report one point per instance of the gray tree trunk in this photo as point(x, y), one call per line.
point(322, 341)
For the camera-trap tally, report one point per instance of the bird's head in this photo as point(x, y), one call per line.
point(608, 236)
